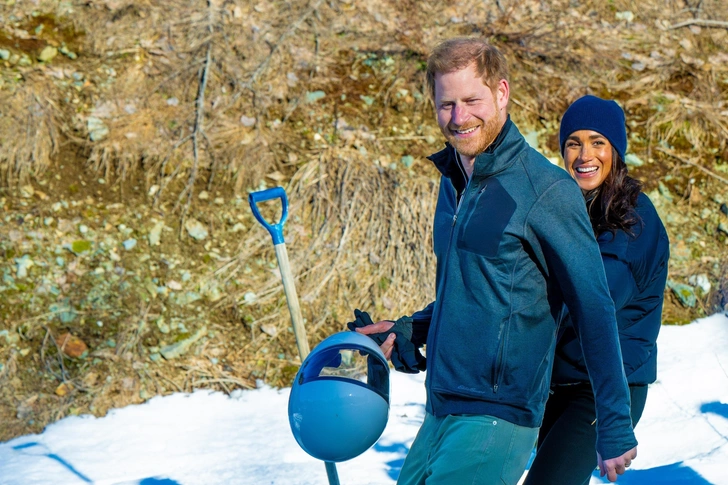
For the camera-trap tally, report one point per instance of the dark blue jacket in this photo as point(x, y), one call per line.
point(636, 268)
point(517, 247)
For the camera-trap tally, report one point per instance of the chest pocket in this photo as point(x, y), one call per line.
point(488, 216)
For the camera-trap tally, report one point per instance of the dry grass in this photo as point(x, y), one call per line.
point(30, 125)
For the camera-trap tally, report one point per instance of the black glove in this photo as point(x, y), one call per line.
point(405, 356)
point(364, 320)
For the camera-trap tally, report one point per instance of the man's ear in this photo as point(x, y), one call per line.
point(502, 94)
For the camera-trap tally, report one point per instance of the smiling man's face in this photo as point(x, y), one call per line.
point(469, 113)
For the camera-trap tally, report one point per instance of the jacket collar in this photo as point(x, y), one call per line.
point(500, 155)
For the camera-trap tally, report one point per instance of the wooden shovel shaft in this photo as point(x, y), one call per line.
point(294, 308)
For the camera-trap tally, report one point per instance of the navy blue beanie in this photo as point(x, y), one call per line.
point(591, 113)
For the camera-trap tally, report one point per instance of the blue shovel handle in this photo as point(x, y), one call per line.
point(275, 230)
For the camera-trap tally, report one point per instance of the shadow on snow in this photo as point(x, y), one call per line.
point(675, 473)
point(715, 407)
point(39, 449)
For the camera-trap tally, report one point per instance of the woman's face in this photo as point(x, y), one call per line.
point(588, 158)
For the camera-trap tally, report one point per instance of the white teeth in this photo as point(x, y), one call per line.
point(464, 132)
point(586, 169)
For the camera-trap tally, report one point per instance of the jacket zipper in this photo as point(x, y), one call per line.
point(503, 336)
point(501, 356)
point(453, 231)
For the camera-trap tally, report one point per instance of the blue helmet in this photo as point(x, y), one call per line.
point(335, 418)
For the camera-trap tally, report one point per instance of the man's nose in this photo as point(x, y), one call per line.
point(460, 114)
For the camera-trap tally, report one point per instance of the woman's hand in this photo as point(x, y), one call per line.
point(616, 466)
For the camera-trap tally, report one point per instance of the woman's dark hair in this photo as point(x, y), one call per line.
point(611, 206)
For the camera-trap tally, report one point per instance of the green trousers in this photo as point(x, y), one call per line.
point(468, 450)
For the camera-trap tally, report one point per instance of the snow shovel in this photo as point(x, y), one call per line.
point(276, 232)
point(279, 244)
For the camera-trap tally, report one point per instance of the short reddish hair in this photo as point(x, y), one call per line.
point(460, 52)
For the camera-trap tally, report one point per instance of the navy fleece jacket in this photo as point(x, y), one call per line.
point(636, 268)
point(515, 249)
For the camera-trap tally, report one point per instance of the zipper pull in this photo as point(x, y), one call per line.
point(454, 219)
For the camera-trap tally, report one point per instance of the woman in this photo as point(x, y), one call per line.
point(635, 251)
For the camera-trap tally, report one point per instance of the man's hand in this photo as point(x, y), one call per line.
point(616, 466)
point(379, 327)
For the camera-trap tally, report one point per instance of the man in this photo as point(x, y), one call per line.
point(514, 244)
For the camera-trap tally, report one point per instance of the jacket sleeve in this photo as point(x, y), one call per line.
point(421, 325)
point(572, 260)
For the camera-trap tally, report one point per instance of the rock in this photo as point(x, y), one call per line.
point(247, 122)
point(81, 246)
point(312, 97)
point(211, 290)
point(195, 229)
point(128, 384)
point(155, 235)
point(63, 309)
point(633, 160)
point(664, 191)
point(174, 285)
point(178, 348)
point(22, 264)
point(71, 345)
point(27, 191)
point(162, 325)
point(204, 195)
point(63, 389)
point(48, 53)
point(684, 293)
point(701, 281)
point(97, 130)
point(64, 50)
point(186, 298)
point(679, 251)
point(269, 329)
point(90, 379)
point(24, 410)
point(129, 244)
point(291, 79)
point(724, 209)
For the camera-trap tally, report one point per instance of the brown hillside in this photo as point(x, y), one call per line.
point(127, 128)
